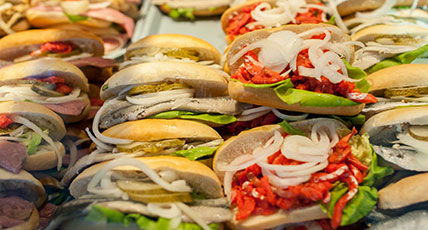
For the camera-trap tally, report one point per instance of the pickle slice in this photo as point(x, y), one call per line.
point(141, 188)
point(406, 91)
point(45, 89)
point(182, 53)
point(143, 89)
point(419, 132)
point(150, 147)
point(162, 198)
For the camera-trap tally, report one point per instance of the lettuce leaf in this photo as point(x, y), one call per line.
point(290, 129)
point(357, 73)
point(222, 119)
point(350, 121)
point(76, 18)
point(32, 142)
point(196, 153)
point(404, 58)
point(99, 213)
point(308, 98)
point(376, 173)
point(286, 81)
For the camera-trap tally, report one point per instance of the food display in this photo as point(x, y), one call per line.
point(213, 115)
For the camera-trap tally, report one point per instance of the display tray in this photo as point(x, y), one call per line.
point(155, 22)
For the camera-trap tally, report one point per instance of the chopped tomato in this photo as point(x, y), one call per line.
point(246, 205)
point(53, 80)
point(60, 85)
point(96, 102)
point(57, 47)
point(63, 88)
point(4, 121)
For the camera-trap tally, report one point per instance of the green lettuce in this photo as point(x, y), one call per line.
point(404, 58)
point(196, 153)
point(290, 129)
point(222, 119)
point(350, 121)
point(331, 21)
point(286, 81)
point(361, 148)
point(359, 74)
point(32, 142)
point(99, 213)
point(376, 173)
point(182, 12)
point(76, 18)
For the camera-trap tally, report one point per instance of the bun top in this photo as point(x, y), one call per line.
point(372, 33)
point(205, 80)
point(154, 43)
point(22, 43)
point(412, 115)
point(399, 76)
point(351, 6)
point(201, 178)
point(22, 184)
point(72, 75)
point(257, 35)
point(161, 129)
point(38, 114)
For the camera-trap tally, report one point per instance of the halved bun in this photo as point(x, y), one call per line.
point(38, 114)
point(43, 160)
point(405, 192)
point(201, 178)
point(23, 43)
point(279, 218)
point(42, 19)
point(372, 33)
point(257, 35)
point(268, 97)
point(22, 184)
point(351, 6)
point(72, 75)
point(399, 76)
point(161, 129)
point(199, 12)
point(205, 51)
point(205, 80)
point(411, 115)
point(32, 223)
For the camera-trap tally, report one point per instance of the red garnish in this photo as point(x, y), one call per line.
point(239, 126)
point(63, 88)
point(96, 102)
point(54, 47)
point(340, 205)
point(4, 121)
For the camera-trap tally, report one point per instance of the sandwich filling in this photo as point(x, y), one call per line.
point(303, 66)
point(292, 171)
point(50, 91)
point(155, 198)
point(263, 15)
point(19, 138)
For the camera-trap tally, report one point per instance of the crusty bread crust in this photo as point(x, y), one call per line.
point(257, 35)
point(201, 178)
point(22, 184)
point(407, 191)
point(351, 6)
point(205, 80)
point(412, 115)
point(268, 97)
point(43, 160)
point(22, 43)
point(72, 75)
point(38, 114)
point(205, 50)
point(399, 76)
point(371, 33)
point(161, 129)
point(279, 218)
point(198, 12)
point(32, 223)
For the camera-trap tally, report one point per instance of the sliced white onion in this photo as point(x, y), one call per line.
point(284, 183)
point(165, 210)
point(78, 56)
point(228, 176)
point(194, 216)
point(253, 116)
point(17, 132)
point(255, 110)
point(154, 98)
point(100, 5)
point(73, 152)
point(289, 117)
point(7, 138)
point(387, 6)
point(332, 6)
point(75, 7)
point(244, 50)
point(36, 129)
point(100, 145)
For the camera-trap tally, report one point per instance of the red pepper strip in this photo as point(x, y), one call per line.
point(53, 80)
point(4, 121)
point(361, 97)
point(263, 75)
point(340, 205)
point(57, 47)
point(356, 173)
point(357, 163)
point(342, 149)
point(63, 88)
point(331, 177)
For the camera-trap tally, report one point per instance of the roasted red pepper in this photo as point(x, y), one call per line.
point(4, 121)
point(54, 47)
point(340, 205)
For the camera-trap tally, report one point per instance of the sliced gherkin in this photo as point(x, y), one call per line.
point(162, 198)
point(150, 147)
point(406, 91)
point(45, 89)
point(182, 53)
point(143, 89)
point(419, 132)
point(143, 188)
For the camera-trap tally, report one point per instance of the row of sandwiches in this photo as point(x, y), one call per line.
point(264, 139)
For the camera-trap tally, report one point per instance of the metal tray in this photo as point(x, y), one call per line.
point(155, 22)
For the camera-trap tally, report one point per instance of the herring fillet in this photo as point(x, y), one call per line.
point(125, 111)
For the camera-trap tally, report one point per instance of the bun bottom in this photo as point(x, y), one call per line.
point(44, 160)
point(199, 13)
point(32, 222)
point(277, 219)
point(268, 97)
